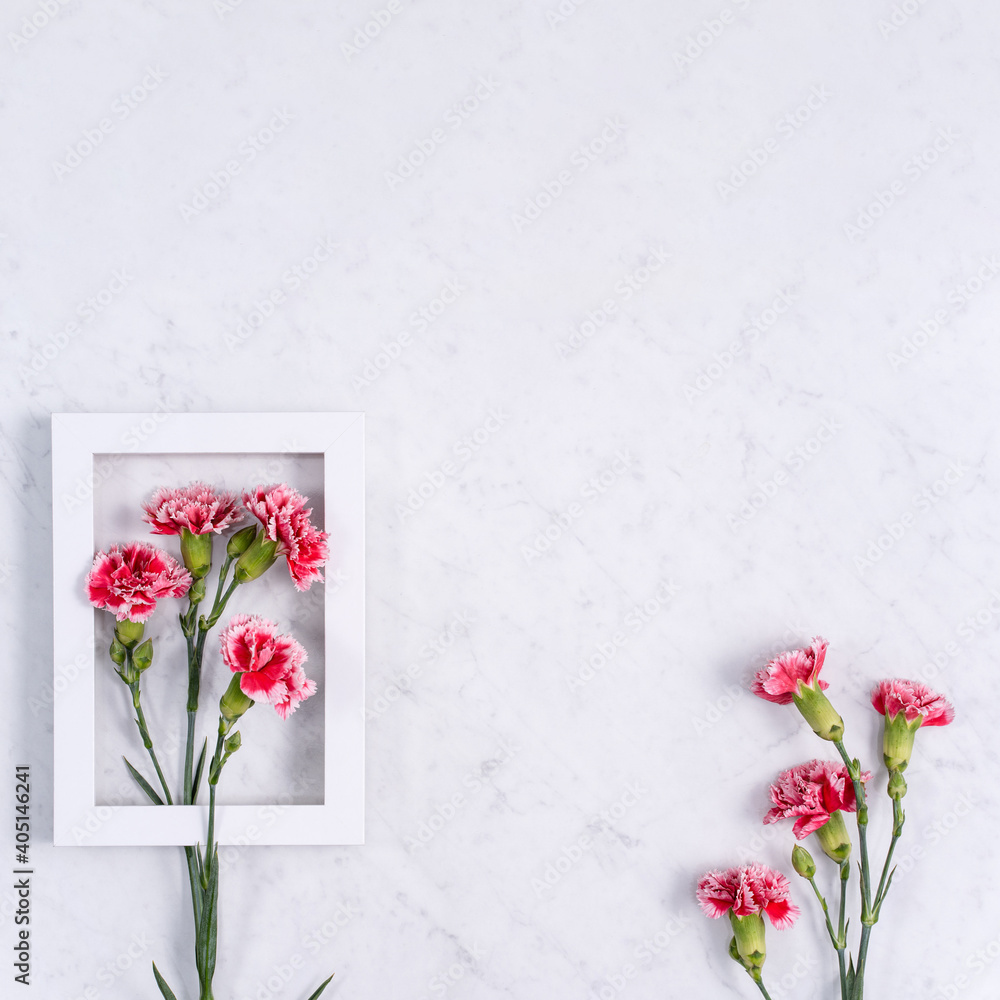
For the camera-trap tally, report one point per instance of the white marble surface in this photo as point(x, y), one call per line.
point(716, 328)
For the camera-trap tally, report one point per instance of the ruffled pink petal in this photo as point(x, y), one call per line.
point(916, 700)
point(199, 508)
point(128, 580)
point(779, 680)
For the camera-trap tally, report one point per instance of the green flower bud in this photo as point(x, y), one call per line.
point(197, 592)
point(143, 656)
point(117, 652)
point(897, 741)
point(234, 703)
point(834, 839)
point(802, 862)
point(233, 743)
point(816, 709)
point(733, 953)
point(196, 551)
point(897, 785)
point(750, 947)
point(257, 559)
point(240, 542)
point(129, 633)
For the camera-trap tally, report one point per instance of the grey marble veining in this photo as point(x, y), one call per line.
point(674, 325)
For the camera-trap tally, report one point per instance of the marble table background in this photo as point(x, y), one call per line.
point(675, 327)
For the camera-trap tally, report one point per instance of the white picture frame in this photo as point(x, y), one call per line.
point(100, 463)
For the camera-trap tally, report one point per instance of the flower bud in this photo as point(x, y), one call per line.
point(128, 633)
point(834, 839)
point(234, 703)
point(233, 743)
point(750, 947)
point(196, 551)
point(897, 785)
point(733, 953)
point(197, 592)
point(802, 862)
point(143, 656)
point(897, 741)
point(240, 542)
point(257, 559)
point(816, 709)
point(117, 652)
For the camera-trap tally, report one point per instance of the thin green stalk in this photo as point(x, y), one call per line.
point(867, 915)
point(761, 987)
point(147, 740)
point(898, 818)
point(826, 913)
point(845, 874)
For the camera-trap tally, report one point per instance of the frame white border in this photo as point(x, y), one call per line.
point(76, 438)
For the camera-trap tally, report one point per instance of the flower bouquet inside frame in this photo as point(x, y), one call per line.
point(263, 663)
point(816, 795)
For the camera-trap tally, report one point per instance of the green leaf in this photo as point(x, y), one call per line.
point(197, 774)
point(143, 784)
point(322, 987)
point(167, 992)
point(850, 977)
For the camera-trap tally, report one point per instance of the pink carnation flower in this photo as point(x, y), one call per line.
point(283, 513)
point(746, 890)
point(270, 664)
point(128, 580)
point(779, 680)
point(914, 699)
point(197, 507)
point(811, 792)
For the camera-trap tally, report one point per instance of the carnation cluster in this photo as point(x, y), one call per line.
point(815, 796)
point(261, 662)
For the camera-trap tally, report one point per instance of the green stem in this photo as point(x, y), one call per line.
point(826, 913)
point(761, 987)
point(867, 915)
point(196, 652)
point(845, 874)
point(898, 818)
point(147, 740)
